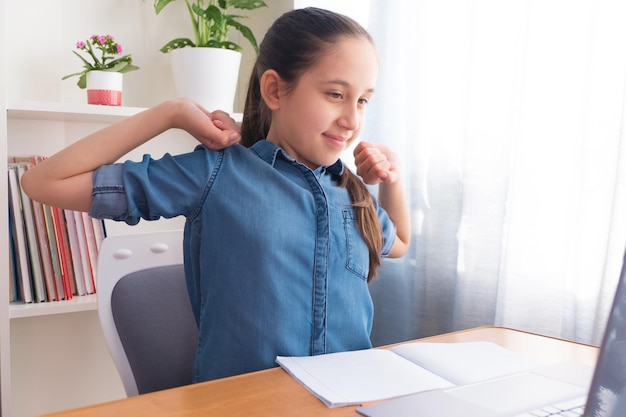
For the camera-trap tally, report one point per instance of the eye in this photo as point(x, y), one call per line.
point(335, 95)
point(364, 101)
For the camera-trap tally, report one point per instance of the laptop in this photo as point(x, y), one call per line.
point(550, 389)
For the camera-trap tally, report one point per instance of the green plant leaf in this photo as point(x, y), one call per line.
point(212, 25)
point(247, 4)
point(88, 64)
point(117, 67)
point(73, 75)
point(213, 13)
point(126, 59)
point(82, 81)
point(128, 68)
point(230, 45)
point(246, 32)
point(177, 43)
point(160, 4)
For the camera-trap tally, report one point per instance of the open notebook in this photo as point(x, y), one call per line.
point(519, 394)
point(348, 378)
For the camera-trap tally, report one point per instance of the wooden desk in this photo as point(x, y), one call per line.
point(274, 393)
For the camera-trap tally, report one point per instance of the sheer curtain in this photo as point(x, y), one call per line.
point(508, 117)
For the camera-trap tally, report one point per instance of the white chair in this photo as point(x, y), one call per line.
point(145, 312)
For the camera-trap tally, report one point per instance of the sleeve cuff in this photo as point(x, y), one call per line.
point(108, 198)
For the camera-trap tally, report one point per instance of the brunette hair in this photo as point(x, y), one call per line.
point(291, 46)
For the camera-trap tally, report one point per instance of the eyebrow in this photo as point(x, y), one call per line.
point(347, 84)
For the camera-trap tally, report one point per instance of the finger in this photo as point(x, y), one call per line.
point(228, 123)
point(375, 169)
point(222, 116)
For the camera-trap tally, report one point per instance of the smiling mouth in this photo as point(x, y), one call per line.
point(337, 140)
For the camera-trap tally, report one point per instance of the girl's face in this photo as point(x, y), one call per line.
point(324, 112)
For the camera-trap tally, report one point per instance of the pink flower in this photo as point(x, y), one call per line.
point(100, 54)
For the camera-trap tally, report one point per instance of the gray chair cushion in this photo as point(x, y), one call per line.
point(156, 326)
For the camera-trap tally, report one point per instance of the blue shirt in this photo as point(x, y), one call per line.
point(274, 260)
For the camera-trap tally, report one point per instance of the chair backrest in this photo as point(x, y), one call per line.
point(145, 312)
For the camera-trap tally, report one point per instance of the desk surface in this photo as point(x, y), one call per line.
point(274, 393)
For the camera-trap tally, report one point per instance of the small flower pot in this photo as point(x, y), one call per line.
point(104, 87)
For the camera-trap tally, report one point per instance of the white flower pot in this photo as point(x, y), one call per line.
point(206, 75)
point(104, 87)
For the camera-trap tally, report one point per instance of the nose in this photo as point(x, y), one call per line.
point(350, 117)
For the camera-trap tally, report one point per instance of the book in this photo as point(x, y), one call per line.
point(77, 265)
point(84, 251)
point(93, 238)
point(34, 254)
point(14, 294)
point(19, 236)
point(65, 256)
point(53, 252)
point(357, 377)
point(99, 231)
point(51, 233)
point(44, 250)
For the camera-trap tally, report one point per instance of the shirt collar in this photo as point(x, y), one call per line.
point(269, 151)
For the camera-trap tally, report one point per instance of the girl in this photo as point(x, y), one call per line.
point(280, 238)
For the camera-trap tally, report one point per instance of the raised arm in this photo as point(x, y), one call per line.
point(377, 164)
point(65, 179)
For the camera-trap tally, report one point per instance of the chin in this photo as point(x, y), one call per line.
point(330, 162)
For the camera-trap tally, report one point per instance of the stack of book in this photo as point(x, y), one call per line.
point(53, 251)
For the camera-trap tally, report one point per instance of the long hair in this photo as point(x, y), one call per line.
point(291, 46)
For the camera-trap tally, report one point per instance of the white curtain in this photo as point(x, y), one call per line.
point(508, 116)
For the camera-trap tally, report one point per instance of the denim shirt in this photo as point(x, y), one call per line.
point(274, 260)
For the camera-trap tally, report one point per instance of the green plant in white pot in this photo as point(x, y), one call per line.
point(194, 62)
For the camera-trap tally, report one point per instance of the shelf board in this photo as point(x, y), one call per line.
point(75, 112)
point(72, 112)
point(76, 304)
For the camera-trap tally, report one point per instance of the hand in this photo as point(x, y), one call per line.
point(223, 121)
point(216, 130)
point(376, 163)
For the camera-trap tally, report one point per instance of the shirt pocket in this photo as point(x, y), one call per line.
point(357, 252)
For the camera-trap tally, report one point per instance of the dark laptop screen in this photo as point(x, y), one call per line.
point(607, 395)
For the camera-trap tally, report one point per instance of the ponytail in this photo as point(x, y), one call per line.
point(256, 115)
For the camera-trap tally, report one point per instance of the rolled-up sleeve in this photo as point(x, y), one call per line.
point(108, 197)
point(151, 189)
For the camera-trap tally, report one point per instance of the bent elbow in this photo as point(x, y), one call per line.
point(398, 249)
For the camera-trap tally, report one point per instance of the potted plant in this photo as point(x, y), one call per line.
point(195, 62)
point(102, 71)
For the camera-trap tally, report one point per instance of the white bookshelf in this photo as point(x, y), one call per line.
point(75, 305)
point(31, 126)
point(58, 340)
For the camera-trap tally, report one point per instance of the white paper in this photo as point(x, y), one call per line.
point(464, 363)
point(360, 376)
point(356, 377)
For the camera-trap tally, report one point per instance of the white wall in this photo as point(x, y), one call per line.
point(42, 34)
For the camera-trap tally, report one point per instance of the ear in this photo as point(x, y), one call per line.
point(270, 89)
